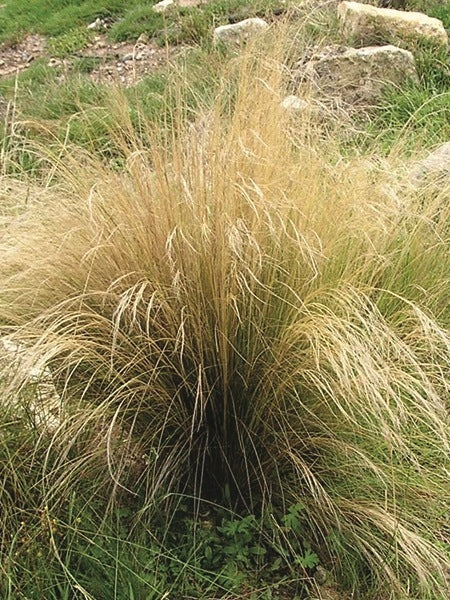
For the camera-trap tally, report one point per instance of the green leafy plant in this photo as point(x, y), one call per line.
point(69, 43)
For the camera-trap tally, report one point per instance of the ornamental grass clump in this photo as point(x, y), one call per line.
point(244, 316)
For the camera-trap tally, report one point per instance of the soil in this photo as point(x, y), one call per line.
point(14, 59)
point(121, 63)
point(126, 63)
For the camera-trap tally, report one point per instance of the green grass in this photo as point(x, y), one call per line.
point(415, 117)
point(188, 25)
point(72, 545)
point(433, 8)
point(76, 110)
point(69, 43)
point(418, 114)
point(53, 17)
point(67, 20)
point(441, 12)
point(56, 18)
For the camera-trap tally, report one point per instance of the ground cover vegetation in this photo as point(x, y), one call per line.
point(70, 106)
point(238, 318)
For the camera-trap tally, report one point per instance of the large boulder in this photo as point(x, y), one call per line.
point(392, 3)
point(238, 33)
point(358, 76)
point(367, 24)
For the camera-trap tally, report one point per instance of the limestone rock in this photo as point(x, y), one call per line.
point(55, 62)
point(143, 39)
point(97, 24)
point(237, 33)
point(164, 5)
point(434, 169)
point(358, 76)
point(367, 24)
point(190, 3)
point(17, 361)
point(294, 104)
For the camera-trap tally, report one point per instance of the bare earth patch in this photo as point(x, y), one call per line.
point(126, 63)
point(121, 63)
point(18, 57)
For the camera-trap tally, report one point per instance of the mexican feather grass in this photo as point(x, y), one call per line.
point(257, 316)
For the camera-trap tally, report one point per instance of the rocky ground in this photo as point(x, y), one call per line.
point(16, 58)
point(123, 62)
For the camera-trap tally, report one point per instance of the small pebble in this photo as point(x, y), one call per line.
point(142, 39)
point(320, 576)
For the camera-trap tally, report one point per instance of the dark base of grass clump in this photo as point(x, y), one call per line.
point(79, 543)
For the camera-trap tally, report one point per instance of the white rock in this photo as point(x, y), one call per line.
point(45, 405)
point(97, 24)
point(240, 32)
point(359, 76)
point(435, 168)
point(164, 5)
point(367, 24)
point(191, 3)
point(55, 62)
point(294, 104)
point(142, 39)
